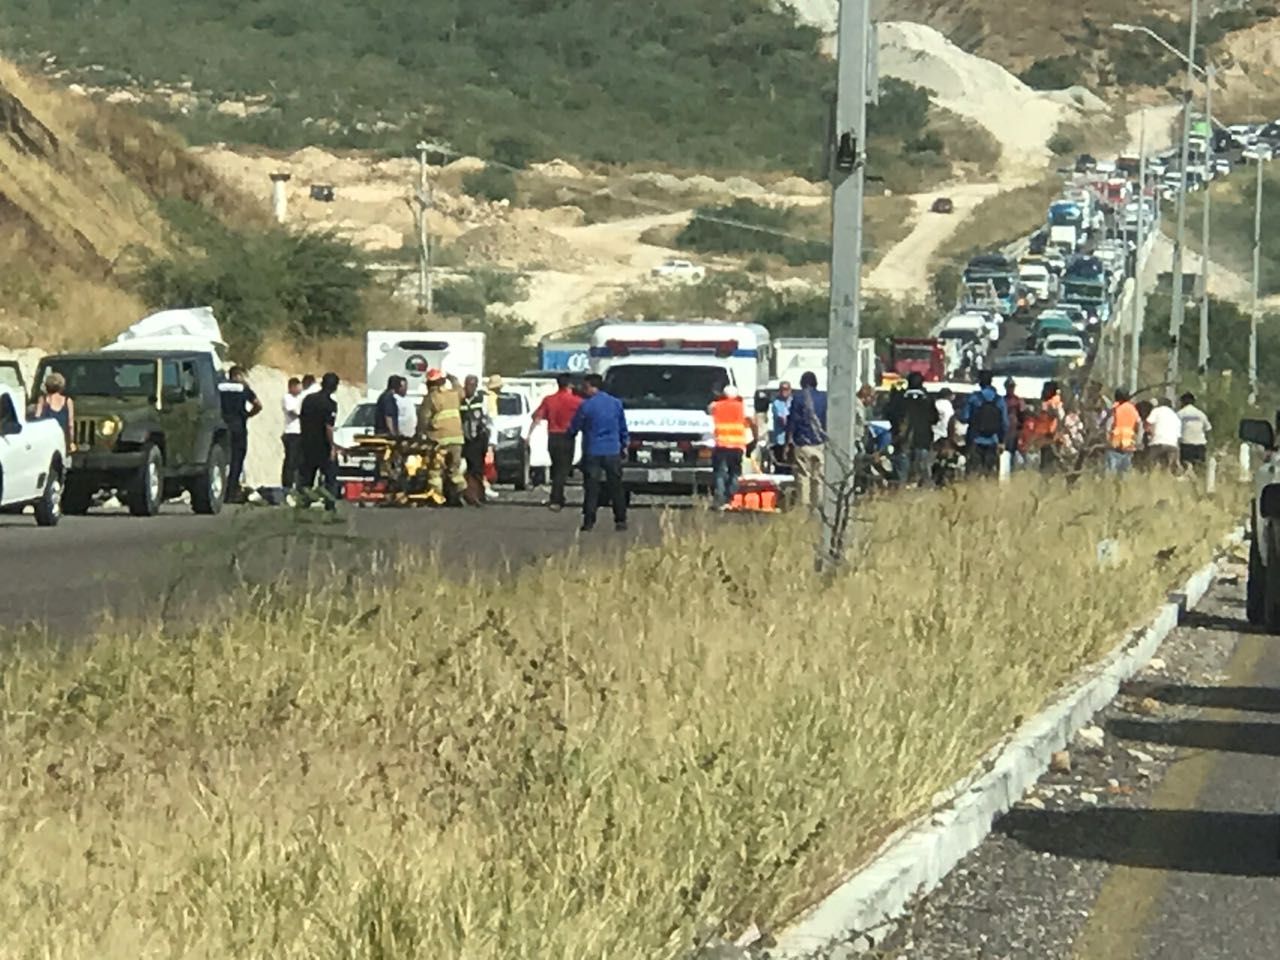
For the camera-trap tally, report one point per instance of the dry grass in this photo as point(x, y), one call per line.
point(80, 184)
point(581, 761)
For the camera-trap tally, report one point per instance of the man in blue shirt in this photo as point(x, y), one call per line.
point(779, 413)
point(988, 420)
point(386, 421)
point(807, 431)
point(603, 425)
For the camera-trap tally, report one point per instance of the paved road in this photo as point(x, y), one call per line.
point(1162, 844)
point(66, 576)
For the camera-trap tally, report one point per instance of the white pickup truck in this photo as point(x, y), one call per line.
point(32, 458)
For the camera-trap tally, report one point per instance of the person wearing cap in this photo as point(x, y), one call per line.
point(492, 389)
point(317, 420)
point(732, 431)
point(440, 421)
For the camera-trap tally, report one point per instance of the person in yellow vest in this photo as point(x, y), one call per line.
point(732, 436)
point(440, 421)
point(1124, 426)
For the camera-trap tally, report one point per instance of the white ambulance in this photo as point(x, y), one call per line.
point(666, 375)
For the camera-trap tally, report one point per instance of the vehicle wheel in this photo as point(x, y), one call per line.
point(1271, 594)
point(76, 498)
point(209, 490)
point(147, 487)
point(1255, 601)
point(522, 475)
point(49, 506)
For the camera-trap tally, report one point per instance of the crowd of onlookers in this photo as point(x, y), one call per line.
point(929, 438)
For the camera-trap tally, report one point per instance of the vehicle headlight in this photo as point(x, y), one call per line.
point(676, 456)
point(644, 456)
point(509, 434)
point(108, 428)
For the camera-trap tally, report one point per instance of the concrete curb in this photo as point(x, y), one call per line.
point(915, 859)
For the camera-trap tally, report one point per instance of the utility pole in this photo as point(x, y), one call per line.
point(1203, 357)
point(1140, 259)
point(1178, 309)
point(1257, 283)
point(844, 420)
point(426, 298)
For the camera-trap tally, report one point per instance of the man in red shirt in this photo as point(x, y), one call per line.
point(557, 412)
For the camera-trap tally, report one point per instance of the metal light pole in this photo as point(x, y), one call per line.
point(1178, 308)
point(1177, 312)
point(1257, 283)
point(1139, 298)
point(843, 420)
point(426, 298)
point(1203, 355)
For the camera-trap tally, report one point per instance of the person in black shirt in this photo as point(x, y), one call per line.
point(912, 414)
point(239, 405)
point(386, 421)
point(319, 454)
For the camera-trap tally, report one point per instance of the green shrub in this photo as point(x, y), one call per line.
point(260, 282)
point(745, 227)
point(472, 295)
point(1054, 73)
point(1061, 144)
point(492, 183)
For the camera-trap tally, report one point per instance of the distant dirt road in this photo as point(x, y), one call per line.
point(904, 270)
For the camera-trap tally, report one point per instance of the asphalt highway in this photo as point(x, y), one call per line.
point(1162, 842)
point(66, 577)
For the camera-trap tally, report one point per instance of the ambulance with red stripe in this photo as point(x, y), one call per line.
point(666, 375)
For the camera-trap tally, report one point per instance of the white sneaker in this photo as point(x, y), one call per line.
point(491, 494)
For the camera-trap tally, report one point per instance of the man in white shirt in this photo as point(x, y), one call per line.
point(946, 410)
point(408, 409)
point(1195, 430)
point(1164, 429)
point(292, 438)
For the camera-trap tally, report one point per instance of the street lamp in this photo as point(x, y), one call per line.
point(1257, 282)
point(1178, 308)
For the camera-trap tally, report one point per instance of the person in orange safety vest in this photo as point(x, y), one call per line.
point(733, 432)
point(1124, 426)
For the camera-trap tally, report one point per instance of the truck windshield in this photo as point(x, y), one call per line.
point(644, 387)
point(103, 376)
point(914, 352)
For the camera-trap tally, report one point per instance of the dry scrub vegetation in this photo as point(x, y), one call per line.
point(581, 761)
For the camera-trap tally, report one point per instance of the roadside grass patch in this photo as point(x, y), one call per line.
point(581, 760)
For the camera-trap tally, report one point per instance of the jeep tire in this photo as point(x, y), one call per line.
point(77, 496)
point(1255, 600)
point(145, 492)
point(210, 488)
point(48, 508)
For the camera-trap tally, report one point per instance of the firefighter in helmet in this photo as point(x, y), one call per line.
point(440, 423)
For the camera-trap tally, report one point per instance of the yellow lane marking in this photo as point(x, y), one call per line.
point(1120, 915)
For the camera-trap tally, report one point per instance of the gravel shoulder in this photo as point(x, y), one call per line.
point(1158, 834)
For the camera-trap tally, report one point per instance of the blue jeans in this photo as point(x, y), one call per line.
point(909, 465)
point(1119, 461)
point(727, 467)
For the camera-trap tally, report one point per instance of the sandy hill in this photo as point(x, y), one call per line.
point(81, 188)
